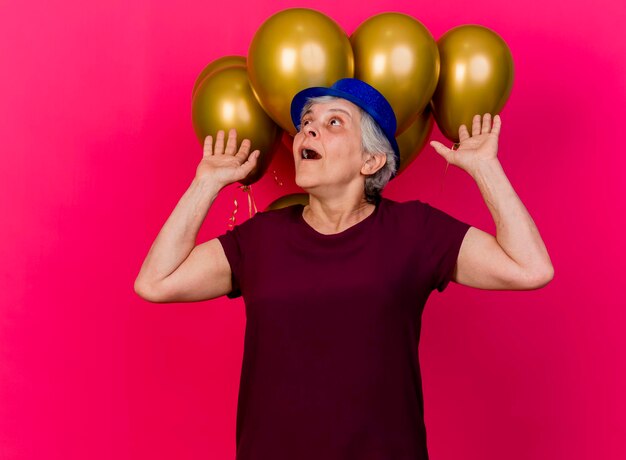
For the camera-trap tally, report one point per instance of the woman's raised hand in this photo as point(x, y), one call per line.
point(480, 147)
point(226, 165)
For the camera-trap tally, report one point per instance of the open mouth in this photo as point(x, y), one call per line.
point(309, 154)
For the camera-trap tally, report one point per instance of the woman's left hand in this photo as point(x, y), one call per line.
point(481, 146)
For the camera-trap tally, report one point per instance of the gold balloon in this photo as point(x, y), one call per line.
point(224, 100)
point(398, 56)
point(289, 200)
point(295, 49)
point(476, 77)
point(214, 66)
point(413, 139)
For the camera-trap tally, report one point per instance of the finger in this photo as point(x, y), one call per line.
point(208, 146)
point(219, 143)
point(486, 123)
point(476, 125)
point(463, 134)
point(497, 122)
point(244, 150)
point(251, 162)
point(253, 157)
point(442, 150)
point(231, 145)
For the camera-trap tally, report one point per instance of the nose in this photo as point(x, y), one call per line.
point(310, 131)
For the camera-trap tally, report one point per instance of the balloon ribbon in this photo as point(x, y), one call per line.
point(251, 203)
point(278, 181)
point(454, 147)
point(232, 218)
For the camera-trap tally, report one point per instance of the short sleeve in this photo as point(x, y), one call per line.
point(444, 235)
point(231, 243)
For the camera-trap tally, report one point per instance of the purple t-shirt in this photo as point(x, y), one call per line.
point(330, 364)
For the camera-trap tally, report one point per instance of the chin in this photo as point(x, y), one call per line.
point(306, 182)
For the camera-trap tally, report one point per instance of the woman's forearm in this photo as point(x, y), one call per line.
point(177, 238)
point(516, 231)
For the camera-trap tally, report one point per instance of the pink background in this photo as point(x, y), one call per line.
point(97, 147)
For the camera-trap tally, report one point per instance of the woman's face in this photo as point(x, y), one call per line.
point(327, 150)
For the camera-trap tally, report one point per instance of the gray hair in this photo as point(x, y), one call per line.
point(373, 140)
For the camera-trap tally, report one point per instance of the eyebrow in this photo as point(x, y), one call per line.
point(329, 110)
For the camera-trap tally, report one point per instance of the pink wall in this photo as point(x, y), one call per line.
point(97, 148)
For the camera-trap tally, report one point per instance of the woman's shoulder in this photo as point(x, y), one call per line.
point(404, 206)
point(413, 210)
point(280, 213)
point(272, 216)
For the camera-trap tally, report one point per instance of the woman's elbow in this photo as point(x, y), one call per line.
point(148, 292)
point(540, 277)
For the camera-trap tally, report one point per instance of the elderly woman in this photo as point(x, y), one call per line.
point(334, 290)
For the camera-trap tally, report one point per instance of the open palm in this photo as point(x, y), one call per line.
point(472, 150)
point(226, 165)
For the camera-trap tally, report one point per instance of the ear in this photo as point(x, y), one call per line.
point(373, 162)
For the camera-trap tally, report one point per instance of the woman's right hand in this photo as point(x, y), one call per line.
point(226, 165)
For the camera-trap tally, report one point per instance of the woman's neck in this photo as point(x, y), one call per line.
point(334, 216)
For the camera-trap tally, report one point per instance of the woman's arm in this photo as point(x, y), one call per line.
point(516, 258)
point(174, 270)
